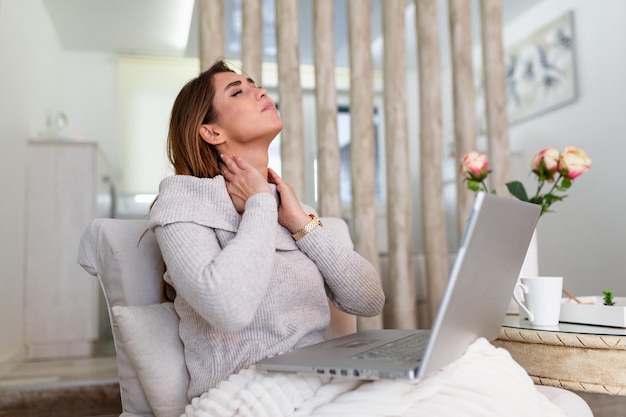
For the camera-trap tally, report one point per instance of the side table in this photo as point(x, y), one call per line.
point(576, 357)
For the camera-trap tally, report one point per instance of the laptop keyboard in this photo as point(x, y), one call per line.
point(410, 348)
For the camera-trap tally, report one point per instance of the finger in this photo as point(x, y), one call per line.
point(240, 162)
point(274, 177)
point(227, 162)
point(271, 175)
point(224, 170)
point(233, 162)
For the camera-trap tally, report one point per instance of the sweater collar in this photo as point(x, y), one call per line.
point(206, 201)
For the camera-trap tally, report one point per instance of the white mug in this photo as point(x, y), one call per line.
point(542, 299)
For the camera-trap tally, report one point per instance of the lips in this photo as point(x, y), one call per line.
point(268, 106)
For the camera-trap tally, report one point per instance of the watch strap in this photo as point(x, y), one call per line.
point(307, 227)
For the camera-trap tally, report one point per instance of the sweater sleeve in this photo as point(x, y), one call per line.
point(354, 283)
point(224, 285)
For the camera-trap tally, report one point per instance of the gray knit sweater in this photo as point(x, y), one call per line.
point(245, 288)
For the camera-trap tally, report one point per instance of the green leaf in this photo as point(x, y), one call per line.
point(566, 183)
point(473, 185)
point(517, 189)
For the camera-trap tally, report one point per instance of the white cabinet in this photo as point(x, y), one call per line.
point(60, 301)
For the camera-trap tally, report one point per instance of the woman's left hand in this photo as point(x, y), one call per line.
point(290, 213)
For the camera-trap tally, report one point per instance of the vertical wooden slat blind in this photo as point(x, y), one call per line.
point(326, 102)
point(432, 210)
point(362, 148)
point(463, 98)
point(401, 283)
point(362, 157)
point(495, 89)
point(211, 39)
point(290, 94)
point(252, 39)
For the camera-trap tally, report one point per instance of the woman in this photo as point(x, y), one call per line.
point(251, 266)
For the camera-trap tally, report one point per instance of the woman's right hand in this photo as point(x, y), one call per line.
point(242, 180)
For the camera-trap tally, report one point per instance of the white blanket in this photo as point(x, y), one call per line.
point(485, 382)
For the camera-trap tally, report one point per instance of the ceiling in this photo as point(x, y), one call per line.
point(170, 27)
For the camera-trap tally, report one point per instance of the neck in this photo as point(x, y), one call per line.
point(255, 155)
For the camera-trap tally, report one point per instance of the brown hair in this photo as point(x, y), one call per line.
point(193, 107)
point(187, 152)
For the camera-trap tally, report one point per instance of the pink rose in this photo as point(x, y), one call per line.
point(475, 166)
point(545, 163)
point(573, 163)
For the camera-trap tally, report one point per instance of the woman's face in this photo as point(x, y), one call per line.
point(244, 111)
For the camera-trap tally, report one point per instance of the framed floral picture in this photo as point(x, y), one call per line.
point(541, 70)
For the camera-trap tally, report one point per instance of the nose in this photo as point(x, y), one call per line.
point(261, 92)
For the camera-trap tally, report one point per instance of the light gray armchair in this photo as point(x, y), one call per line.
point(150, 359)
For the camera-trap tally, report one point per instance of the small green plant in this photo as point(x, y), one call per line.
point(608, 298)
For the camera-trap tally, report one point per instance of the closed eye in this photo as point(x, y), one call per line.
point(237, 92)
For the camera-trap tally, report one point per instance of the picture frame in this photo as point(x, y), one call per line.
point(541, 70)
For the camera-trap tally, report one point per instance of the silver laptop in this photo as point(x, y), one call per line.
point(488, 262)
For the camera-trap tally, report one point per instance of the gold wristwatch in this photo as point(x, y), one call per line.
point(307, 227)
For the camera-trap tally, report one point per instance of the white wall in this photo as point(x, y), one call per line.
point(87, 85)
point(146, 90)
point(37, 80)
point(584, 239)
point(28, 81)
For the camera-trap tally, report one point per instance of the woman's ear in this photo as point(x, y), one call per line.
point(210, 135)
